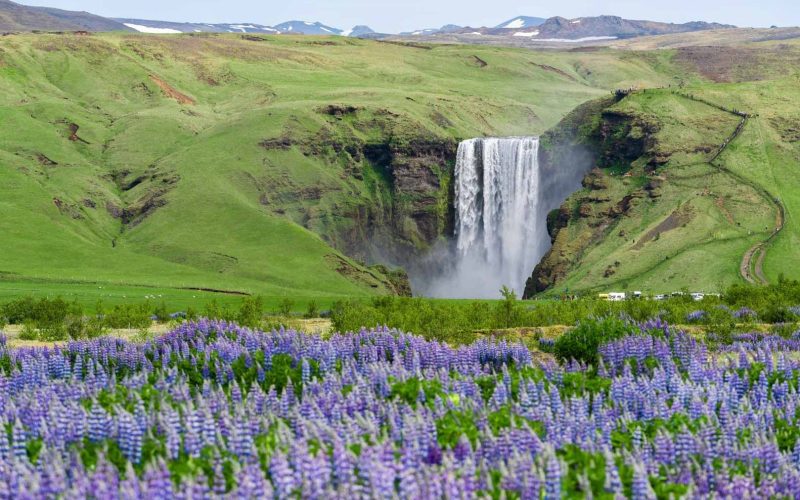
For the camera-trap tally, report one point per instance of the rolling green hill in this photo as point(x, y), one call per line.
point(673, 208)
point(255, 164)
point(277, 165)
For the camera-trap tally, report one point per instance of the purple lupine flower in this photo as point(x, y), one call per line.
point(19, 437)
point(282, 475)
point(306, 372)
point(641, 489)
point(553, 479)
point(130, 438)
point(346, 437)
point(99, 423)
point(695, 316)
point(744, 313)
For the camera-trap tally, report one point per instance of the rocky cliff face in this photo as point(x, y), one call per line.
point(395, 200)
point(421, 171)
point(418, 213)
point(609, 140)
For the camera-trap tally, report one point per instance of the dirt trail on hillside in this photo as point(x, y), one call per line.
point(745, 266)
point(171, 92)
point(753, 273)
point(751, 267)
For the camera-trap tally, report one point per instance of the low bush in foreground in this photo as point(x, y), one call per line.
point(583, 342)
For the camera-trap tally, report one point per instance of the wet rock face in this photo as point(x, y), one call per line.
point(624, 138)
point(557, 220)
point(404, 206)
point(420, 213)
point(414, 168)
point(595, 181)
point(416, 175)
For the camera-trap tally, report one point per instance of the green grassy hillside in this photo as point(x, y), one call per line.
point(667, 211)
point(251, 164)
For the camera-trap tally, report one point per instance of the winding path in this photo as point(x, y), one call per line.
point(752, 266)
point(754, 273)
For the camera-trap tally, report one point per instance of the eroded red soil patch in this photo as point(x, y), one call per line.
point(171, 92)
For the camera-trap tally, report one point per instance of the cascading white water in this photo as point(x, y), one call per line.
point(500, 232)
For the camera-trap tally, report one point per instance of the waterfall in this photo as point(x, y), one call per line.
point(500, 230)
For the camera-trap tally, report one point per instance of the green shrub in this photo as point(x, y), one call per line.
point(508, 307)
point(19, 311)
point(251, 312)
point(214, 310)
point(722, 323)
point(775, 313)
point(313, 310)
point(44, 312)
point(785, 330)
point(583, 342)
point(29, 331)
point(129, 316)
point(161, 313)
point(285, 307)
point(53, 332)
point(81, 327)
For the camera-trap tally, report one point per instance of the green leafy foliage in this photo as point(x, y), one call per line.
point(455, 424)
point(251, 311)
point(313, 309)
point(582, 343)
point(579, 383)
point(43, 312)
point(409, 390)
point(623, 438)
point(129, 316)
point(458, 322)
point(161, 313)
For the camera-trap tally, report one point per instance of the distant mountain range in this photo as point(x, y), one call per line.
point(144, 26)
point(289, 27)
point(307, 28)
point(448, 28)
point(521, 22)
point(16, 17)
point(558, 28)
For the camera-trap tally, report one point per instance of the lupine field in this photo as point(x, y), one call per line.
point(215, 410)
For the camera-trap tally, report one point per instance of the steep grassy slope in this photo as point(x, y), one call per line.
point(238, 163)
point(668, 210)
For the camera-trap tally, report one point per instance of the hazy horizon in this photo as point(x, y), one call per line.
point(417, 14)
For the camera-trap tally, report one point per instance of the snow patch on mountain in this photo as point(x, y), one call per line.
point(515, 24)
point(576, 40)
point(526, 33)
point(149, 29)
point(520, 22)
point(307, 28)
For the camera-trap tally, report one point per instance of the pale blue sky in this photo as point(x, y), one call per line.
point(407, 15)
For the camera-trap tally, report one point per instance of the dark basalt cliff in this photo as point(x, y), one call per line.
point(606, 140)
point(419, 174)
point(399, 200)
